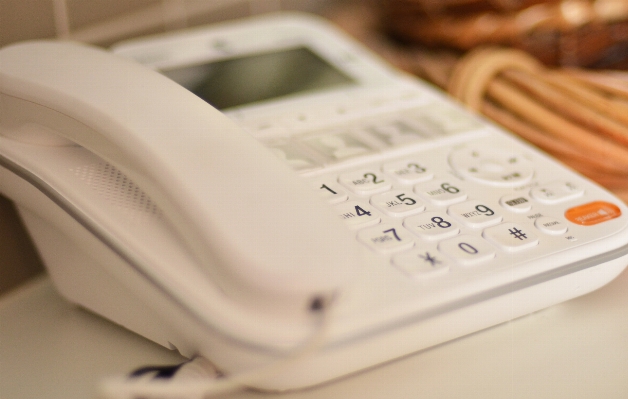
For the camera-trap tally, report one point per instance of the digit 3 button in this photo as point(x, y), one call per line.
point(501, 168)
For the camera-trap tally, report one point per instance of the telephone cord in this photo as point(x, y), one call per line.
point(198, 379)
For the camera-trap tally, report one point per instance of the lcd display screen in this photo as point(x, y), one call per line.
point(243, 80)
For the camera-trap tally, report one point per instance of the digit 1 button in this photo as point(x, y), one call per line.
point(468, 250)
point(432, 225)
point(511, 237)
point(330, 191)
point(386, 238)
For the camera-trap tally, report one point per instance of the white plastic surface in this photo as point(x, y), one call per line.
point(265, 237)
point(186, 156)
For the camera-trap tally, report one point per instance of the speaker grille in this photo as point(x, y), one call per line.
point(116, 188)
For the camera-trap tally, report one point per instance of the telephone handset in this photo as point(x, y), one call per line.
point(188, 158)
point(417, 221)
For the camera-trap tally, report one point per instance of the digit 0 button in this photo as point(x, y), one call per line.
point(468, 250)
point(496, 167)
point(593, 213)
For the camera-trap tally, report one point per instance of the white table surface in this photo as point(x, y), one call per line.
point(579, 349)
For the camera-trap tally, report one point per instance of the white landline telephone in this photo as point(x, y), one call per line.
point(330, 181)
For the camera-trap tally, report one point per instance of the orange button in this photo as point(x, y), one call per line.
point(593, 213)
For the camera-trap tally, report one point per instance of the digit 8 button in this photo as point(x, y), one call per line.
point(501, 168)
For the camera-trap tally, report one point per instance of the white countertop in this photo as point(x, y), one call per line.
point(579, 349)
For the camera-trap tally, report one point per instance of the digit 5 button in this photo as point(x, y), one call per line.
point(491, 166)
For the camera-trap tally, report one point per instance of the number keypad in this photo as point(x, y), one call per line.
point(430, 221)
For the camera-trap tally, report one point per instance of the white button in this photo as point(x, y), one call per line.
point(550, 225)
point(432, 225)
point(408, 171)
point(422, 263)
point(440, 193)
point(497, 167)
point(468, 250)
point(398, 203)
point(556, 192)
point(294, 158)
point(338, 147)
point(517, 203)
point(386, 238)
point(396, 132)
point(330, 191)
point(475, 214)
point(358, 215)
point(365, 181)
point(511, 237)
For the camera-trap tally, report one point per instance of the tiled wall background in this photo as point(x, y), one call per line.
point(102, 22)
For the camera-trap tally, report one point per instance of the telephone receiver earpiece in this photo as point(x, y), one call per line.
point(252, 224)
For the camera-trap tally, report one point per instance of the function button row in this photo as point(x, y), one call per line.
point(556, 192)
point(342, 145)
point(552, 193)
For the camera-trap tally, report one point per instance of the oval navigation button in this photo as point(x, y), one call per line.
point(593, 213)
